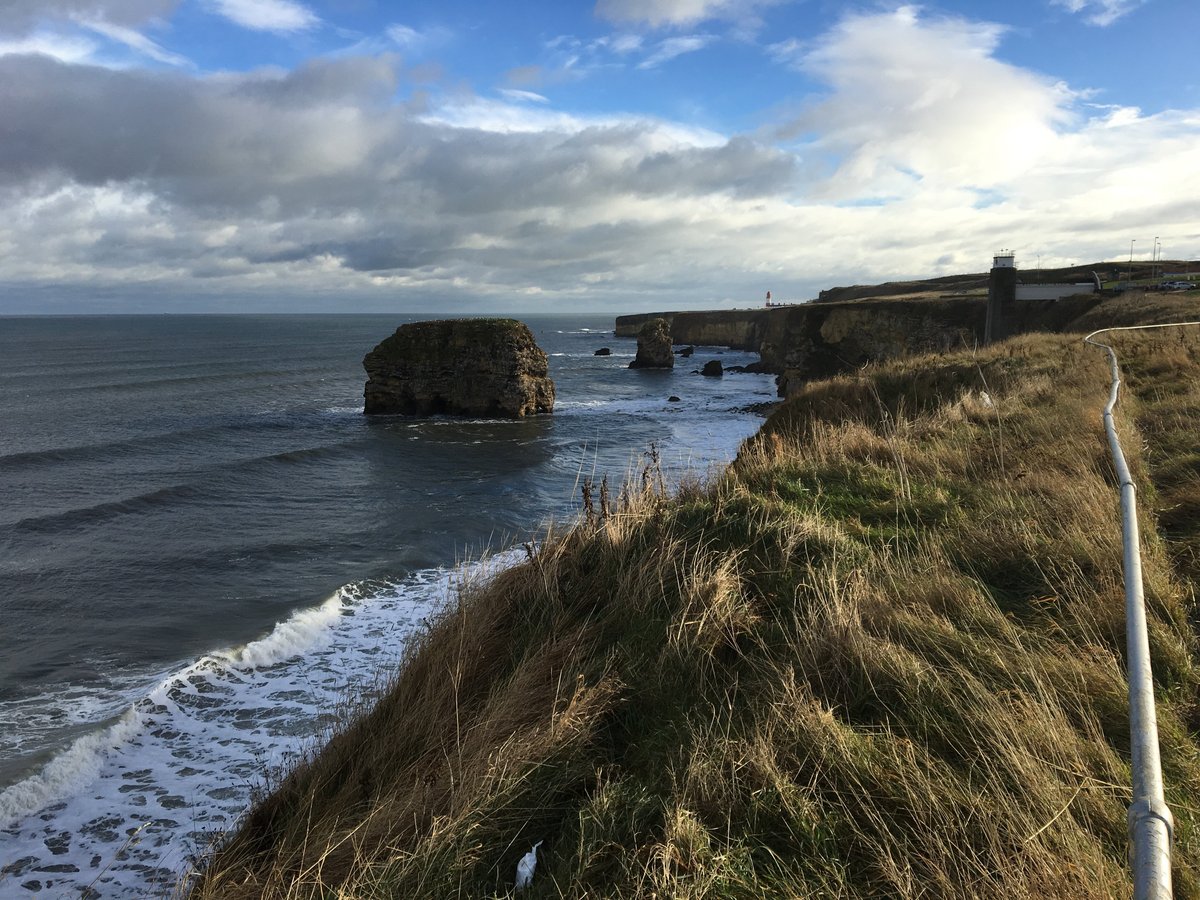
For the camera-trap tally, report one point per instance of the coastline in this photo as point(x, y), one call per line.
point(181, 744)
point(754, 682)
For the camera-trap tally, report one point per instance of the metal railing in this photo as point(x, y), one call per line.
point(1151, 824)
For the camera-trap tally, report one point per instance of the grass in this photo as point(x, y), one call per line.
point(880, 656)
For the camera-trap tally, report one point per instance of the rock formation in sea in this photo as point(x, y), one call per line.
point(654, 346)
point(713, 369)
point(603, 351)
point(462, 367)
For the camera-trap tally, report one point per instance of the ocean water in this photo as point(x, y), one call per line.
point(206, 549)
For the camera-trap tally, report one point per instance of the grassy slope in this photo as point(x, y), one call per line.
point(880, 656)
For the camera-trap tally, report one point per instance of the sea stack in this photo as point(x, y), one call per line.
point(654, 346)
point(459, 367)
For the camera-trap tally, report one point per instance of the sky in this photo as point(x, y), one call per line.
point(612, 155)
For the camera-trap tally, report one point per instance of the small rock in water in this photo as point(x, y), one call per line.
point(603, 351)
point(713, 369)
point(672, 399)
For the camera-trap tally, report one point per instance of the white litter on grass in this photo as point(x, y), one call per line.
point(986, 398)
point(526, 866)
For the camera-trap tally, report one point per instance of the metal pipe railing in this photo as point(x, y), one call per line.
point(1151, 824)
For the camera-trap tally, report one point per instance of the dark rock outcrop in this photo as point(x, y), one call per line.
point(463, 367)
point(672, 399)
point(654, 346)
point(603, 351)
point(713, 369)
point(685, 352)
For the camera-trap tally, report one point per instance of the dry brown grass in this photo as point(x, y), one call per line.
point(880, 657)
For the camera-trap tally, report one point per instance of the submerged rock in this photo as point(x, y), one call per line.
point(460, 367)
point(686, 352)
point(603, 351)
point(654, 346)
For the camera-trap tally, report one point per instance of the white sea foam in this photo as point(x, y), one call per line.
point(131, 802)
point(80, 764)
point(303, 632)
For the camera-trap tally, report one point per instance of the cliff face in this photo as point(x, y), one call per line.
point(741, 329)
point(467, 367)
point(816, 340)
point(820, 340)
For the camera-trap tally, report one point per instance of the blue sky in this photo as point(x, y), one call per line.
point(184, 155)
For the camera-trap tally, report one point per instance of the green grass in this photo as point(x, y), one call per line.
point(880, 656)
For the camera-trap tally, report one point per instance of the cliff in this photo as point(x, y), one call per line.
point(467, 367)
point(741, 329)
point(816, 340)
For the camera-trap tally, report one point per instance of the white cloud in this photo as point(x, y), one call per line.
point(404, 36)
point(670, 48)
point(625, 43)
point(280, 16)
point(18, 15)
point(519, 96)
point(1100, 12)
point(790, 52)
point(135, 40)
point(416, 41)
point(917, 102)
point(923, 154)
point(570, 57)
point(67, 48)
point(655, 135)
point(659, 13)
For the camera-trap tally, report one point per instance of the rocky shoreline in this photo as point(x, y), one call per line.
point(816, 340)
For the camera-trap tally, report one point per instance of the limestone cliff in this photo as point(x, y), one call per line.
point(465, 367)
point(816, 340)
point(739, 329)
point(819, 340)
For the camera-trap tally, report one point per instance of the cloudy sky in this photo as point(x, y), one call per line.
point(463, 155)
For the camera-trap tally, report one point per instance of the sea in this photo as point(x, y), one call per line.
point(208, 554)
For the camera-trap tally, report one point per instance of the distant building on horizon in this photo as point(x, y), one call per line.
point(1005, 289)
